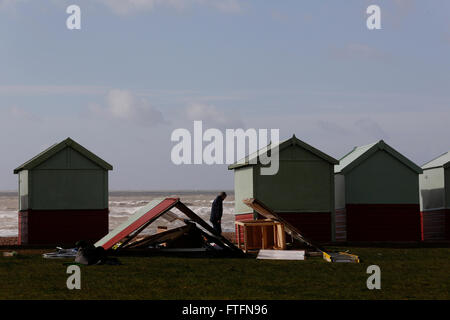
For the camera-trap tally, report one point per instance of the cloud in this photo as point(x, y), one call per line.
point(22, 114)
point(14, 114)
point(371, 128)
point(124, 7)
point(124, 106)
point(333, 128)
point(212, 116)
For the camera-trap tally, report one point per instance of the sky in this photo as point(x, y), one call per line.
point(139, 69)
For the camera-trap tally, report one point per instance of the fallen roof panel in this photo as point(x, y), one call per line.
point(141, 218)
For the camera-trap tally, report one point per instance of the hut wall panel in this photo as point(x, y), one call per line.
point(434, 224)
point(23, 190)
point(243, 188)
point(432, 189)
point(313, 225)
point(80, 162)
point(339, 191)
point(383, 222)
point(382, 179)
point(58, 227)
point(299, 185)
point(241, 217)
point(68, 189)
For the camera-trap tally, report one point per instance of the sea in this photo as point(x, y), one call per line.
point(122, 204)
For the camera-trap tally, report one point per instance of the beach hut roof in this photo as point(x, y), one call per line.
point(442, 161)
point(247, 161)
point(359, 154)
point(48, 153)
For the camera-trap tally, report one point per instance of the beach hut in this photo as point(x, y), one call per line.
point(435, 198)
point(377, 195)
point(301, 192)
point(63, 196)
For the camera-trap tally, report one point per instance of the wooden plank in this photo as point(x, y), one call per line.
point(281, 254)
point(159, 237)
point(245, 240)
point(239, 238)
point(264, 237)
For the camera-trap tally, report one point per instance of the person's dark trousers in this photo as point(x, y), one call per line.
point(217, 227)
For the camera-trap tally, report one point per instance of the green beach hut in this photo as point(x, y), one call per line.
point(302, 192)
point(63, 196)
point(377, 195)
point(435, 198)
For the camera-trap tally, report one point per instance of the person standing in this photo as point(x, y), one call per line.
point(217, 211)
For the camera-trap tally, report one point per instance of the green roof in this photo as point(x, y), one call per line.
point(442, 161)
point(251, 159)
point(48, 153)
point(359, 154)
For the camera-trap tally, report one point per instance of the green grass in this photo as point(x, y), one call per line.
point(421, 273)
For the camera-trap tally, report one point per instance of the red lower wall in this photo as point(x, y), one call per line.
point(434, 224)
point(62, 227)
point(447, 224)
point(383, 222)
point(313, 225)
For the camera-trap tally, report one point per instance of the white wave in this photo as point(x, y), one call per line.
point(8, 232)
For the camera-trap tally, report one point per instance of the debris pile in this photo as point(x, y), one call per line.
point(195, 235)
point(264, 211)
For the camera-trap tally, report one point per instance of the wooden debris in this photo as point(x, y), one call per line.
point(261, 234)
point(281, 254)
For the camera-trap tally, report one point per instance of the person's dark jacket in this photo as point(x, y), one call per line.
point(217, 209)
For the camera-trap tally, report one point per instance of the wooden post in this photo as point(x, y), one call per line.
point(264, 237)
point(275, 244)
point(238, 236)
point(245, 239)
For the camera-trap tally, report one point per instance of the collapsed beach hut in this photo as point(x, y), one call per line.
point(302, 192)
point(63, 196)
point(126, 235)
point(377, 195)
point(264, 211)
point(435, 198)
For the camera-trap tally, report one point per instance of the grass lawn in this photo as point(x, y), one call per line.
point(419, 273)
